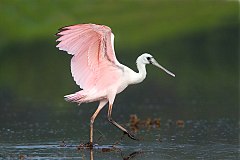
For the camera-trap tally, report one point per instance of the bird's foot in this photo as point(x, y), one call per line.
point(130, 136)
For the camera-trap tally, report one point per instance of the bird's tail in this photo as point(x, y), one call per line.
point(78, 97)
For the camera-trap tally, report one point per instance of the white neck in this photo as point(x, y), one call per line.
point(141, 75)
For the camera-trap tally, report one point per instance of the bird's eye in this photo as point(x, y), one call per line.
point(148, 58)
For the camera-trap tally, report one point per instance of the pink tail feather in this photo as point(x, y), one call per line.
point(77, 97)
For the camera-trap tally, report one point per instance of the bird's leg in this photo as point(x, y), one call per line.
point(117, 125)
point(101, 105)
point(91, 154)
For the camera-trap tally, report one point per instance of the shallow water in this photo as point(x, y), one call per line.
point(195, 139)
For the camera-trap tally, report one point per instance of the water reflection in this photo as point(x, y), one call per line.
point(106, 149)
point(132, 155)
point(118, 150)
point(200, 139)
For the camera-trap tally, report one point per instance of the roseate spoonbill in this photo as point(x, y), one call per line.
point(96, 70)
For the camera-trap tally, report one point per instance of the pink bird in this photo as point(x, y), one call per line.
point(96, 70)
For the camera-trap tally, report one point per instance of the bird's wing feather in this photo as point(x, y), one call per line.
point(94, 64)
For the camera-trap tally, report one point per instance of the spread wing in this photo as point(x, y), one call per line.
point(94, 64)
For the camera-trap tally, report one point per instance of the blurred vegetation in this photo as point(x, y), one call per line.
point(134, 22)
point(196, 40)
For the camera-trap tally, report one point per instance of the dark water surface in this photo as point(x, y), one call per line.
point(190, 139)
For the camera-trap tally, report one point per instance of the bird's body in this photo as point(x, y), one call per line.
point(126, 77)
point(96, 69)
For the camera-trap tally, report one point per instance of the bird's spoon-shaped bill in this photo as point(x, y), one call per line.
point(155, 63)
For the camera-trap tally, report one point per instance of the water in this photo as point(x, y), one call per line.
point(173, 139)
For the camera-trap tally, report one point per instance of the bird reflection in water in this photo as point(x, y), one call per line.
point(111, 149)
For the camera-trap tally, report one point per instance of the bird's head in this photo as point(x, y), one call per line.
point(147, 58)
